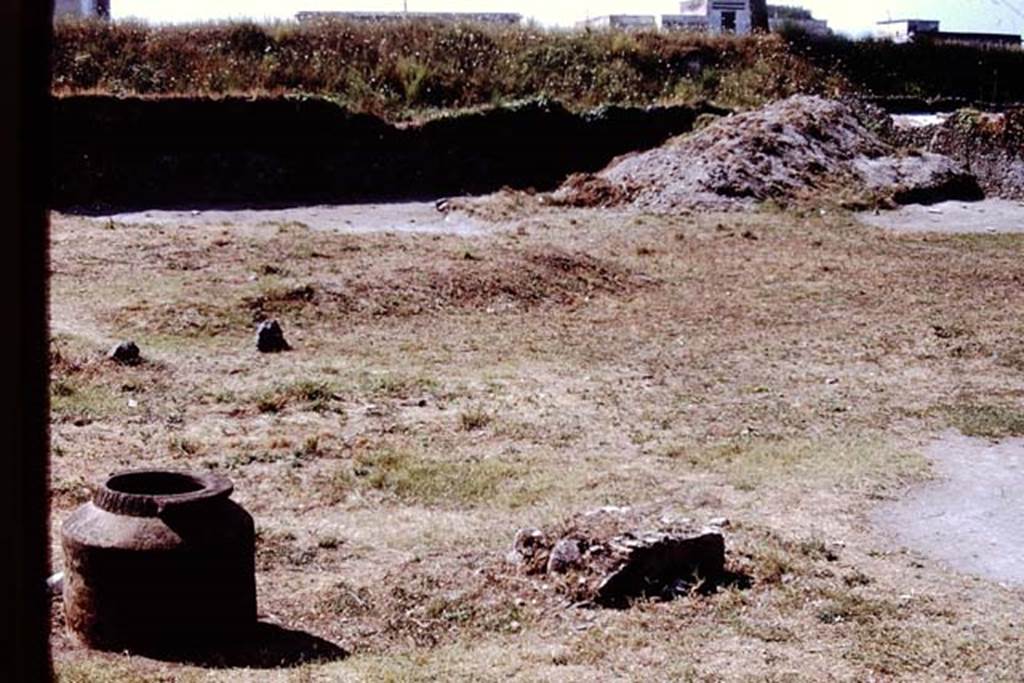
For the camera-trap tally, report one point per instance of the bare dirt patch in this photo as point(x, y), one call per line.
point(990, 216)
point(412, 217)
point(970, 517)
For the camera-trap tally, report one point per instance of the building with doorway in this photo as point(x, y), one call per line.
point(81, 9)
point(719, 16)
point(722, 16)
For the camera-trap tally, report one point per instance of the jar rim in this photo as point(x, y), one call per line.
point(152, 492)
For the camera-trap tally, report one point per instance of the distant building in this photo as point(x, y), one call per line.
point(506, 18)
point(908, 30)
point(719, 16)
point(634, 22)
point(81, 9)
point(684, 22)
point(904, 30)
point(783, 17)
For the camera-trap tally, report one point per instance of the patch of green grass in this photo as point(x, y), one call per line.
point(474, 419)
point(394, 385)
point(107, 671)
point(183, 322)
point(257, 457)
point(854, 464)
point(315, 395)
point(911, 650)
point(986, 420)
point(843, 606)
point(277, 297)
point(271, 402)
point(179, 446)
point(335, 485)
point(73, 399)
point(417, 479)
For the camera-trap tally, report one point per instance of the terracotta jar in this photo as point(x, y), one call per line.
point(157, 561)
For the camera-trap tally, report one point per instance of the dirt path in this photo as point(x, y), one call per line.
point(408, 217)
point(988, 216)
point(972, 517)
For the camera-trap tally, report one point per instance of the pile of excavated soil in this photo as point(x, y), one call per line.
point(800, 149)
point(990, 146)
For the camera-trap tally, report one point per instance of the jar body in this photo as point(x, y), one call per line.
point(183, 576)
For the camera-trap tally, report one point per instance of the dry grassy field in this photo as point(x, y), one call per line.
point(781, 369)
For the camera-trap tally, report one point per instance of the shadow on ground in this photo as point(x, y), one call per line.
point(267, 646)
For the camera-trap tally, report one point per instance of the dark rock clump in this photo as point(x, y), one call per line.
point(605, 558)
point(125, 353)
point(270, 337)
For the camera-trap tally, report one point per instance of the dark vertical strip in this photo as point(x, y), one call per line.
point(759, 15)
point(25, 31)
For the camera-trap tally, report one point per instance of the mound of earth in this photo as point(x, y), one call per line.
point(506, 281)
point(791, 151)
point(990, 146)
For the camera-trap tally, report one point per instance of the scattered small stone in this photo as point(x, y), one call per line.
point(720, 523)
point(55, 584)
point(528, 548)
point(670, 520)
point(125, 353)
point(270, 337)
point(564, 556)
point(608, 510)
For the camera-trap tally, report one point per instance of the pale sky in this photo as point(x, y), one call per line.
point(849, 16)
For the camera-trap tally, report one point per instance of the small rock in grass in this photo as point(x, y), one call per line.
point(55, 584)
point(564, 556)
point(528, 544)
point(270, 337)
point(125, 353)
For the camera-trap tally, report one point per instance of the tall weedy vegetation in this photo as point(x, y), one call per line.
point(398, 69)
point(403, 69)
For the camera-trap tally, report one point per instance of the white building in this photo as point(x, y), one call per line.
point(738, 16)
point(636, 22)
point(927, 30)
point(81, 9)
point(904, 30)
point(717, 16)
